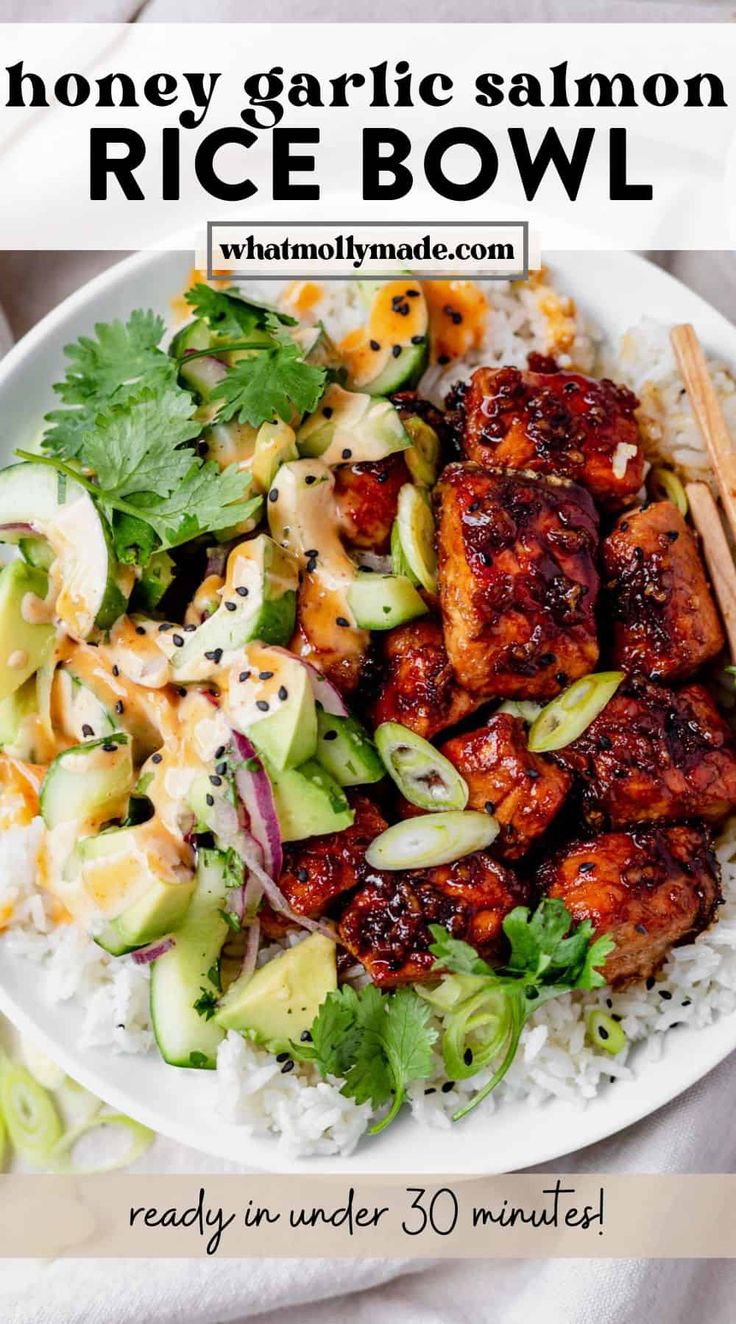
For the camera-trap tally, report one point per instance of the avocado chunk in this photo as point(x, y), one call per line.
point(88, 784)
point(271, 701)
point(24, 646)
point(389, 352)
point(346, 751)
point(277, 1003)
point(349, 425)
point(18, 713)
point(309, 802)
point(258, 602)
point(275, 445)
point(379, 602)
point(156, 882)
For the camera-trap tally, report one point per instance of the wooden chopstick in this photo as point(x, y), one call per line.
point(708, 415)
point(717, 555)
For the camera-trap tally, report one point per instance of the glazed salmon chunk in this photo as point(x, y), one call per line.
point(524, 791)
point(654, 753)
point(417, 686)
point(556, 423)
point(517, 580)
point(366, 498)
point(649, 888)
point(385, 924)
point(665, 622)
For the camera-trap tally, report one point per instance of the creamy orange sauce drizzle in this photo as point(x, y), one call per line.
point(458, 315)
point(384, 327)
point(302, 296)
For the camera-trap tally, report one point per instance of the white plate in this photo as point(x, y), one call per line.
point(616, 290)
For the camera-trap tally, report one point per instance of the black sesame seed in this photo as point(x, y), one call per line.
point(640, 928)
point(665, 993)
point(87, 730)
point(533, 774)
point(375, 345)
point(650, 983)
point(221, 768)
point(115, 669)
point(231, 606)
point(311, 565)
point(448, 1085)
point(262, 705)
point(468, 1057)
point(343, 621)
point(430, 1090)
point(347, 453)
point(412, 294)
point(288, 1066)
point(178, 641)
point(242, 591)
point(396, 350)
point(140, 629)
point(219, 751)
point(310, 478)
point(119, 707)
point(189, 629)
point(265, 675)
point(602, 1032)
point(474, 505)
point(312, 551)
point(302, 875)
point(156, 758)
point(490, 807)
point(283, 693)
point(165, 625)
point(215, 780)
point(210, 799)
point(282, 1057)
point(305, 1037)
point(330, 735)
point(443, 360)
point(109, 746)
point(327, 412)
point(418, 340)
point(181, 691)
point(273, 495)
point(587, 866)
point(244, 675)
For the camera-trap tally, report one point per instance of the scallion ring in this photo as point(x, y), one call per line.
point(62, 1156)
point(664, 485)
point(605, 1032)
point(33, 1123)
point(571, 713)
point(424, 776)
point(431, 839)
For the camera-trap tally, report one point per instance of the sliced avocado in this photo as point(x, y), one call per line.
point(349, 425)
point(277, 1003)
point(309, 802)
point(258, 602)
point(274, 705)
point(185, 981)
point(162, 893)
point(389, 352)
point(346, 751)
point(230, 443)
point(275, 445)
point(18, 714)
point(379, 602)
point(155, 579)
point(23, 646)
point(88, 784)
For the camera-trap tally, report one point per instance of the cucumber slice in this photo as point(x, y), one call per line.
point(195, 336)
point(157, 577)
point(346, 751)
point(79, 714)
point(188, 974)
point(258, 602)
point(275, 445)
point(415, 537)
point(24, 646)
point(389, 353)
point(379, 602)
point(34, 497)
point(349, 425)
point(88, 784)
point(36, 552)
point(423, 457)
point(423, 775)
point(279, 1001)
point(431, 839)
point(18, 713)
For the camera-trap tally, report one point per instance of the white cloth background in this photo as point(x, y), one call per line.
point(693, 1134)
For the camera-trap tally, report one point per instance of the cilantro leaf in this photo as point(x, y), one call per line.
point(334, 1034)
point(228, 313)
point(590, 975)
point(207, 499)
point(206, 1004)
point(277, 381)
point(457, 957)
point(135, 449)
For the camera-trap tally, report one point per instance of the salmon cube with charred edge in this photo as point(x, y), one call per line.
point(385, 924)
point(319, 869)
point(523, 790)
point(556, 423)
point(367, 498)
point(517, 580)
point(417, 686)
point(665, 622)
point(650, 888)
point(654, 753)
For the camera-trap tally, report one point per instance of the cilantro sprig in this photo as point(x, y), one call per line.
point(229, 314)
point(381, 1042)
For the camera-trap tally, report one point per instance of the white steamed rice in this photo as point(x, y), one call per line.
point(307, 1114)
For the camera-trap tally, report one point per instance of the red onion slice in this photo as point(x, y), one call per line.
point(324, 691)
point(250, 955)
point(145, 955)
point(256, 795)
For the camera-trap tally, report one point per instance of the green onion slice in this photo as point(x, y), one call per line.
point(431, 839)
point(525, 708)
point(423, 457)
point(571, 713)
point(415, 524)
point(664, 485)
point(33, 1123)
point(476, 1022)
point(62, 1156)
point(605, 1032)
point(423, 775)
